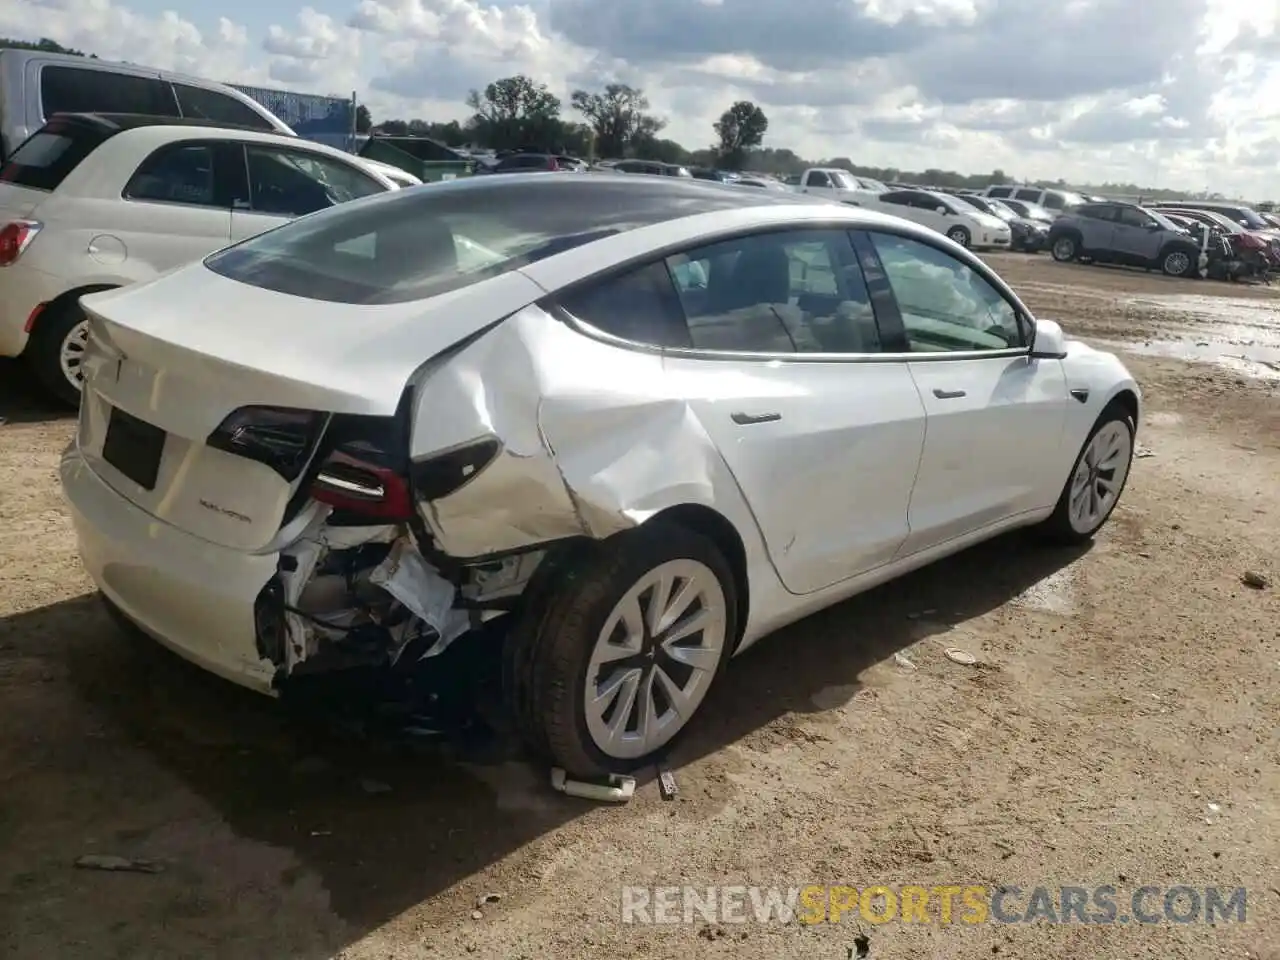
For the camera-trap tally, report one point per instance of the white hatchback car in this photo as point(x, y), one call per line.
point(95, 201)
point(954, 219)
point(504, 401)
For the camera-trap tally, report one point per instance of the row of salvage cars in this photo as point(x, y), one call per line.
point(627, 425)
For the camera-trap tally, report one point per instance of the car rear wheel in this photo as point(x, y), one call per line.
point(959, 235)
point(1097, 479)
point(1065, 249)
point(620, 654)
point(56, 351)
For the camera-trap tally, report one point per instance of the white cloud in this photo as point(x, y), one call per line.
point(1086, 90)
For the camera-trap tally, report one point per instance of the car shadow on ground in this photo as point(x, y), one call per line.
point(22, 400)
point(384, 826)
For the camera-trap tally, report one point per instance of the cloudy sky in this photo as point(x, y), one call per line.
point(1180, 93)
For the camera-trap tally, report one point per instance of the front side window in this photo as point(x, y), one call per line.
point(785, 292)
point(177, 174)
point(999, 192)
point(1133, 217)
point(1031, 196)
point(293, 183)
point(212, 105)
point(84, 90)
point(946, 305)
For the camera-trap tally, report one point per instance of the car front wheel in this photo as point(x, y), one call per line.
point(1097, 479)
point(622, 650)
point(1065, 249)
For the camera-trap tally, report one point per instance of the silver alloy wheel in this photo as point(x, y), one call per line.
point(1099, 476)
point(655, 658)
point(1176, 263)
point(71, 353)
point(959, 235)
point(1064, 248)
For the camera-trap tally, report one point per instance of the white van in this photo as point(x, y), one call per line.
point(35, 85)
point(1050, 199)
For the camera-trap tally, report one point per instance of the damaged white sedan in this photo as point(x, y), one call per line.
point(631, 423)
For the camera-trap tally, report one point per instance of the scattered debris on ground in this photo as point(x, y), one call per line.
point(108, 862)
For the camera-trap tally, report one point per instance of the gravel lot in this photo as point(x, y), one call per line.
point(1120, 727)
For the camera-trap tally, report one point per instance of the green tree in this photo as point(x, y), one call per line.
point(514, 113)
point(44, 45)
point(740, 128)
point(619, 117)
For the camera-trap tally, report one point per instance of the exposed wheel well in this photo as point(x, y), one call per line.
point(63, 300)
point(705, 521)
point(1127, 401)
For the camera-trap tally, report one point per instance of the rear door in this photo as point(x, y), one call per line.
point(994, 416)
point(283, 183)
point(781, 361)
point(1097, 223)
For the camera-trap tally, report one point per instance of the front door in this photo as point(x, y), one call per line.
point(1136, 237)
point(177, 209)
point(822, 437)
point(994, 416)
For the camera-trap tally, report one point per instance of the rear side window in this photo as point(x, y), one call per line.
point(1032, 196)
point(48, 156)
point(80, 90)
point(211, 105)
point(641, 306)
point(999, 192)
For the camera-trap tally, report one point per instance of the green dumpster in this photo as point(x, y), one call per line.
point(427, 159)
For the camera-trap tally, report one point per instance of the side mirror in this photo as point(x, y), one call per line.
point(942, 210)
point(1048, 342)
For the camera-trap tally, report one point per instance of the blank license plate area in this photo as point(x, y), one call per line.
point(134, 447)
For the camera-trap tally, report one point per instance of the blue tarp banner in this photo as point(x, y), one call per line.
point(307, 113)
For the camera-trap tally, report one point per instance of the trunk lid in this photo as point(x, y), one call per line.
point(169, 361)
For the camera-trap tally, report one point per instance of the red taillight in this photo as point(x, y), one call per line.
point(354, 483)
point(15, 237)
point(552, 164)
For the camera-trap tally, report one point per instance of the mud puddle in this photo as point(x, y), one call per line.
point(1239, 335)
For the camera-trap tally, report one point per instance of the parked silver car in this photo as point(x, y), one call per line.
point(1124, 233)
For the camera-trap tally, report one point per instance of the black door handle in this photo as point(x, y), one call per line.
point(948, 394)
point(743, 419)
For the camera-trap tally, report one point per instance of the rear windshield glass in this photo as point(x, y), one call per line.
point(45, 158)
point(414, 244)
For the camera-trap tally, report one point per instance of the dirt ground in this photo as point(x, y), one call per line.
point(1120, 728)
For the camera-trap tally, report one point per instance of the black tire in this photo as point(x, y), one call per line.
point(1058, 527)
point(960, 235)
point(550, 648)
point(1065, 247)
point(44, 350)
point(1178, 262)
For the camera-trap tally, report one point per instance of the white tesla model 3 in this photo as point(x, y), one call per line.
point(644, 420)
